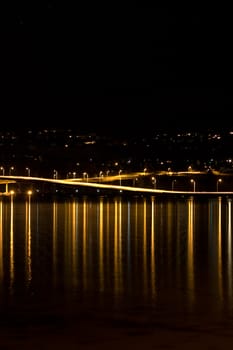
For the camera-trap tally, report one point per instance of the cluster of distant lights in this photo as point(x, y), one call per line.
point(70, 136)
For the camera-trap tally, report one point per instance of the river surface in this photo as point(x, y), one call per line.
point(116, 273)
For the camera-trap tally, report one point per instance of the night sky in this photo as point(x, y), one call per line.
point(117, 70)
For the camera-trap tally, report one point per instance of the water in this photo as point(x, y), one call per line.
point(138, 268)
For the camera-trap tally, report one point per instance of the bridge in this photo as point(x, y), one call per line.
point(98, 184)
point(6, 182)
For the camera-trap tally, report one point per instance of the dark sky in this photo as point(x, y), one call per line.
point(117, 70)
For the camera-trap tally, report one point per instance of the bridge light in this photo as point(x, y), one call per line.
point(11, 169)
point(194, 184)
point(218, 182)
point(28, 171)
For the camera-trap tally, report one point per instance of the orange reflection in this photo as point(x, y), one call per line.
point(190, 255)
point(101, 262)
point(128, 236)
point(74, 242)
point(28, 252)
point(220, 279)
point(136, 232)
point(117, 246)
point(116, 267)
point(169, 235)
point(145, 272)
point(215, 247)
point(120, 245)
point(84, 252)
point(1, 242)
point(229, 238)
point(153, 275)
point(55, 241)
point(107, 233)
point(12, 273)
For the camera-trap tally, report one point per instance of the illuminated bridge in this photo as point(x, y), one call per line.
point(99, 184)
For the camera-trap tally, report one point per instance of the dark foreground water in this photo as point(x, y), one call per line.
point(116, 273)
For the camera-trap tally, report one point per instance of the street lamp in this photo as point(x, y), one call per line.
point(194, 184)
point(28, 171)
point(11, 168)
point(85, 175)
point(218, 182)
point(3, 170)
point(173, 184)
point(55, 174)
point(120, 171)
point(135, 179)
point(100, 176)
point(153, 179)
point(29, 196)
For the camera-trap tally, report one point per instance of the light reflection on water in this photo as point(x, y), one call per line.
point(170, 256)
